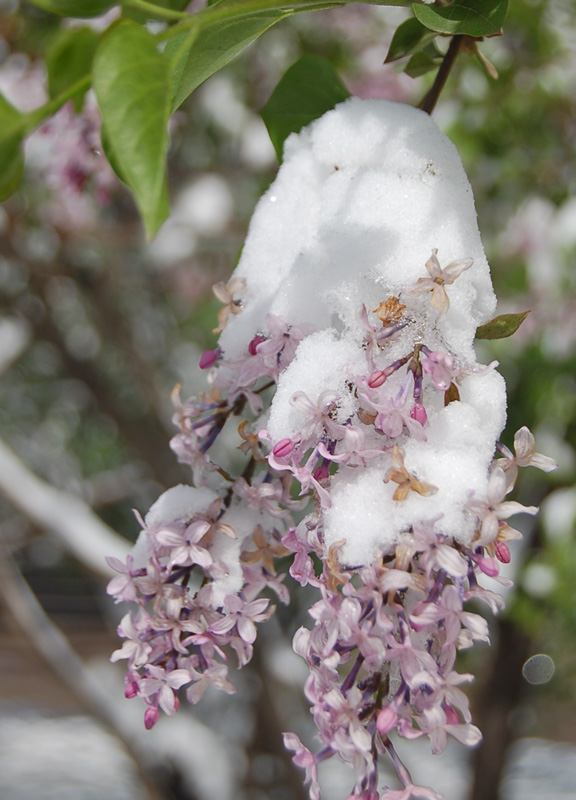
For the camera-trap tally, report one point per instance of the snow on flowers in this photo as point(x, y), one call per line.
point(366, 440)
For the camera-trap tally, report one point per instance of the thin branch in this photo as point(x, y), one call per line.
point(66, 516)
point(429, 101)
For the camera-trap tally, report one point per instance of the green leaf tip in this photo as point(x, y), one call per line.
point(502, 326)
point(309, 89)
point(408, 38)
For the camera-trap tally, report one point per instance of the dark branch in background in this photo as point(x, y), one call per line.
point(267, 737)
point(429, 101)
point(141, 431)
point(501, 695)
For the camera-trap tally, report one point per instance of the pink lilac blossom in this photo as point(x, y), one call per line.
point(66, 151)
point(367, 454)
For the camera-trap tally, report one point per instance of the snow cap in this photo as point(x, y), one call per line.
point(372, 202)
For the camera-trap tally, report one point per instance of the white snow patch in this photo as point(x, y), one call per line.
point(178, 504)
point(364, 196)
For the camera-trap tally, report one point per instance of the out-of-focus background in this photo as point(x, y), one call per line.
point(96, 328)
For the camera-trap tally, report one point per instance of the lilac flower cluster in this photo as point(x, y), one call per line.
point(205, 555)
point(65, 152)
point(386, 631)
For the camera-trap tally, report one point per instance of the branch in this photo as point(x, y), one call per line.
point(431, 98)
point(67, 517)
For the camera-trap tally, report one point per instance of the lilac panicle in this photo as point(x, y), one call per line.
point(385, 634)
point(365, 456)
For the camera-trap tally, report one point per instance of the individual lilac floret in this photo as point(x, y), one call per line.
point(525, 456)
point(439, 279)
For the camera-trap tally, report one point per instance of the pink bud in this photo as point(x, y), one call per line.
point(419, 413)
point(489, 566)
point(131, 687)
point(150, 717)
point(253, 346)
point(386, 720)
point(502, 552)
point(283, 448)
point(377, 379)
point(452, 717)
point(321, 472)
point(209, 358)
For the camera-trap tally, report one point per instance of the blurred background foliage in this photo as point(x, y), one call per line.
point(97, 326)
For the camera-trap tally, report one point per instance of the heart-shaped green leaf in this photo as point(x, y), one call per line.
point(132, 83)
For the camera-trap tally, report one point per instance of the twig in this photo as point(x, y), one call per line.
point(66, 516)
point(429, 101)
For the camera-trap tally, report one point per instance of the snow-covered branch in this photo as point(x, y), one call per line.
point(67, 517)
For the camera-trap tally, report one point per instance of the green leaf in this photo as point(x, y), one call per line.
point(501, 327)
point(470, 17)
point(143, 16)
point(423, 61)
point(111, 155)
point(306, 91)
point(12, 131)
point(226, 27)
point(68, 59)
point(410, 36)
point(213, 48)
point(132, 83)
point(75, 8)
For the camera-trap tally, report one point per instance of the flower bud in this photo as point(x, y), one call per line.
point(131, 685)
point(322, 472)
point(419, 413)
point(386, 720)
point(378, 378)
point(489, 566)
point(253, 346)
point(283, 448)
point(209, 358)
point(502, 552)
point(151, 717)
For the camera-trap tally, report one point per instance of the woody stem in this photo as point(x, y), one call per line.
point(430, 99)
